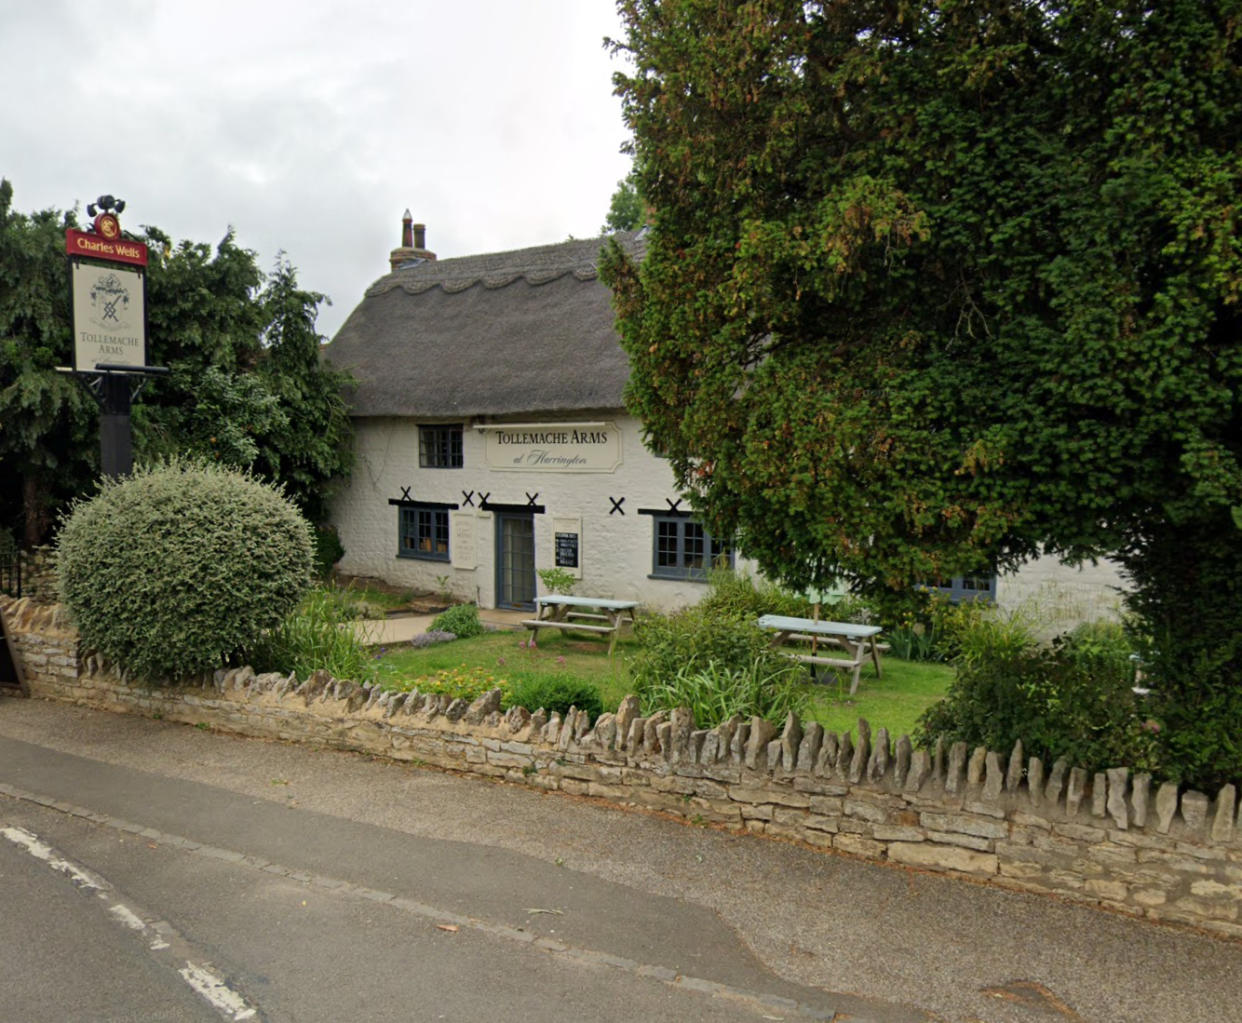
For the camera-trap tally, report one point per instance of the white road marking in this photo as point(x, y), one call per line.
point(79, 875)
point(201, 979)
point(127, 917)
point(216, 991)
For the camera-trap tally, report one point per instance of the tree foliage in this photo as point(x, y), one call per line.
point(931, 286)
point(626, 210)
point(246, 387)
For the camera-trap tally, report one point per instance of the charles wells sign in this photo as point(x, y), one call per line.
point(109, 297)
point(554, 447)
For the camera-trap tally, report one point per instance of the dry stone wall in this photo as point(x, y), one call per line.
point(1112, 838)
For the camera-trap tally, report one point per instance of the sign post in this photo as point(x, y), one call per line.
point(108, 287)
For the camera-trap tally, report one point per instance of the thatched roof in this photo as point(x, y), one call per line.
point(505, 333)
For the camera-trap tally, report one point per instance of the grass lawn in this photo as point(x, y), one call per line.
point(893, 702)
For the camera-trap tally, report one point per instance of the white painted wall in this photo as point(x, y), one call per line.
point(615, 553)
point(1057, 596)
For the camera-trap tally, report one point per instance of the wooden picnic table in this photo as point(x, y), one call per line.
point(582, 614)
point(857, 640)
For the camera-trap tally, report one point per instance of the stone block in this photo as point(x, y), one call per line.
point(964, 824)
point(1056, 781)
point(994, 779)
point(878, 763)
point(845, 757)
point(898, 833)
point(1166, 806)
point(965, 841)
point(857, 845)
point(939, 857)
point(759, 734)
point(920, 771)
point(1013, 776)
point(1194, 811)
point(1118, 781)
point(830, 805)
point(808, 749)
point(1075, 791)
point(1099, 794)
point(976, 766)
point(790, 741)
point(1139, 790)
point(955, 769)
point(862, 753)
point(1112, 891)
point(865, 810)
point(1079, 832)
point(1223, 818)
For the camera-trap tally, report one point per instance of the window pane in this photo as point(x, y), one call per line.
point(440, 447)
point(666, 544)
point(695, 546)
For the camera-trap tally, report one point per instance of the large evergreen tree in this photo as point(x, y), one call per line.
point(931, 286)
point(246, 388)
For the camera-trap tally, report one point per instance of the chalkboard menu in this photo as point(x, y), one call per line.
point(566, 550)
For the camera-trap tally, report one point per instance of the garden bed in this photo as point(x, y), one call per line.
point(894, 701)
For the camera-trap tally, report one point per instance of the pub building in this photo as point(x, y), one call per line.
point(492, 442)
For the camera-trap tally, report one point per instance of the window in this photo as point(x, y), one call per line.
point(685, 550)
point(439, 447)
point(965, 587)
point(423, 532)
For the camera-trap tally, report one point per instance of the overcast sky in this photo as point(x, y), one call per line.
point(311, 126)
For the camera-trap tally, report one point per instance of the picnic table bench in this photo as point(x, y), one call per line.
point(857, 640)
point(582, 614)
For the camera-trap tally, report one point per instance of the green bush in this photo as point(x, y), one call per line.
point(1072, 699)
point(558, 580)
point(697, 640)
point(737, 595)
point(462, 620)
point(172, 570)
point(555, 693)
point(317, 634)
point(714, 692)
point(328, 550)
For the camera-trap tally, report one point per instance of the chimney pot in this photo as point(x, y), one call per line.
point(420, 236)
point(407, 237)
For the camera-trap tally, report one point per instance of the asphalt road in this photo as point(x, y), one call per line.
point(154, 871)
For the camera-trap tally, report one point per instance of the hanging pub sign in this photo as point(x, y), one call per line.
point(108, 282)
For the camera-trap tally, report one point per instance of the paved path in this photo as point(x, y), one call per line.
point(403, 628)
point(321, 885)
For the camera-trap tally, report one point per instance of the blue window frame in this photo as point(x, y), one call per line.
point(965, 587)
point(684, 549)
point(423, 532)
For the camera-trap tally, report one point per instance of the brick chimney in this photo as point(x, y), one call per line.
point(413, 244)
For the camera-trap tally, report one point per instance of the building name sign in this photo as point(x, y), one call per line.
point(554, 448)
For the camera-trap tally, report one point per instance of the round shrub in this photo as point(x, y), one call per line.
point(462, 620)
point(170, 571)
